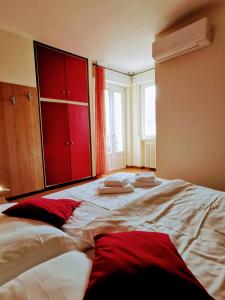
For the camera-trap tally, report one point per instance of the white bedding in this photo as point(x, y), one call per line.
point(94, 205)
point(88, 192)
point(62, 278)
point(193, 216)
point(25, 243)
point(81, 217)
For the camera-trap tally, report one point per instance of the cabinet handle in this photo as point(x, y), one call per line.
point(67, 143)
point(72, 142)
point(63, 91)
point(68, 92)
point(13, 100)
point(29, 95)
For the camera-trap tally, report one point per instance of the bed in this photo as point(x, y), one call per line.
point(192, 215)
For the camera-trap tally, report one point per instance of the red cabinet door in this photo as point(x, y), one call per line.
point(76, 78)
point(55, 127)
point(51, 71)
point(79, 141)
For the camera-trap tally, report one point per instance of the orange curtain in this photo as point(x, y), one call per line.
point(100, 132)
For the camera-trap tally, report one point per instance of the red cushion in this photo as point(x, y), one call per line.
point(55, 212)
point(140, 265)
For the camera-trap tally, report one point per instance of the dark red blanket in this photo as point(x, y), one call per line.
point(140, 265)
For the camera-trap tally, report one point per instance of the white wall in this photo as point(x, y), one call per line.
point(16, 59)
point(144, 77)
point(117, 78)
point(191, 110)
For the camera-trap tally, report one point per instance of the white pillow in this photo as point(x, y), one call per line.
point(63, 278)
point(25, 243)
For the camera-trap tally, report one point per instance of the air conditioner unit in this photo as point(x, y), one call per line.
point(190, 38)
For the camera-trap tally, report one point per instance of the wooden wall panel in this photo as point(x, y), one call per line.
point(21, 166)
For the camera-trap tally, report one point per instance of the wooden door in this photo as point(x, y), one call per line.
point(21, 167)
point(76, 78)
point(79, 141)
point(51, 73)
point(56, 142)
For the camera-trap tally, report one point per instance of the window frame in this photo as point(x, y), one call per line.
point(142, 104)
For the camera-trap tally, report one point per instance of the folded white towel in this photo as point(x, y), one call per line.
point(116, 181)
point(145, 177)
point(102, 189)
point(146, 184)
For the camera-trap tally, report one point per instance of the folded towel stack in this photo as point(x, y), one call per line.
point(102, 189)
point(145, 180)
point(115, 184)
point(145, 177)
point(116, 181)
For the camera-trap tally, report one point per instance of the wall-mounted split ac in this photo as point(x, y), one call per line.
point(190, 38)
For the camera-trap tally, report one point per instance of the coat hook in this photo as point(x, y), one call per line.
point(13, 100)
point(30, 96)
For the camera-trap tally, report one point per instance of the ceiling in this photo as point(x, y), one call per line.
point(116, 33)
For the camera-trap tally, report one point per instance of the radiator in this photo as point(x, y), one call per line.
point(150, 154)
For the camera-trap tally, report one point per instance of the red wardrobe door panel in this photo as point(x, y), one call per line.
point(51, 70)
point(55, 128)
point(76, 79)
point(79, 141)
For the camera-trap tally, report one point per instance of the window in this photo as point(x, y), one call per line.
point(148, 112)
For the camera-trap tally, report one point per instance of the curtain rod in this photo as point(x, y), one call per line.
point(153, 68)
point(128, 74)
point(96, 64)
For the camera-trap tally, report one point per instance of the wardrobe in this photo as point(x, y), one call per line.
point(64, 104)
